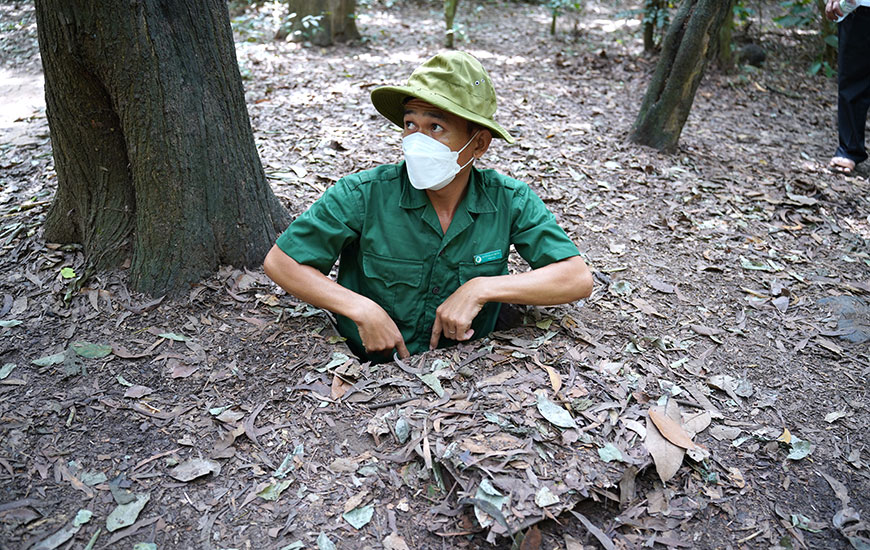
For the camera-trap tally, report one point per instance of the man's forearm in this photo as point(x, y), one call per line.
point(311, 286)
point(558, 283)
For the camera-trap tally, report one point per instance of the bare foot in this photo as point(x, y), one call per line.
point(842, 165)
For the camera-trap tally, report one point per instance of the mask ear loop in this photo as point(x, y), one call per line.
point(472, 159)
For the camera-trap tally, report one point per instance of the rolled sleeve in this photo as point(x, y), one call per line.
point(318, 236)
point(535, 234)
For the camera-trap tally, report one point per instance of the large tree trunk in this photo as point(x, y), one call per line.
point(688, 46)
point(152, 143)
point(321, 22)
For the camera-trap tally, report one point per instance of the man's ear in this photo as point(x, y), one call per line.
point(481, 142)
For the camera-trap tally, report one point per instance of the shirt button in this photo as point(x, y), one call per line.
point(436, 290)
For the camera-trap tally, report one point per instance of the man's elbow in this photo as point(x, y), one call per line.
point(582, 280)
point(272, 263)
point(584, 284)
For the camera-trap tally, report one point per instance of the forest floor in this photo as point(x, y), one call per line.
point(732, 283)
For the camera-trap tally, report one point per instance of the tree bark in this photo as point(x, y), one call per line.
point(321, 22)
point(827, 52)
point(724, 55)
point(151, 139)
point(654, 13)
point(449, 17)
point(690, 42)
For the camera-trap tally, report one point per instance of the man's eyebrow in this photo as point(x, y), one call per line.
point(434, 114)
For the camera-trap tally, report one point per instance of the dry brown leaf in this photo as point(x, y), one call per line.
point(356, 500)
point(339, 387)
point(667, 457)
point(555, 377)
point(394, 541)
point(532, 540)
point(137, 391)
point(571, 543)
point(181, 370)
point(697, 423)
point(671, 430)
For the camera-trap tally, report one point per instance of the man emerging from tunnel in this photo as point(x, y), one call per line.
point(423, 244)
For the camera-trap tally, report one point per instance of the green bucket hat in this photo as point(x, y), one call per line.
point(455, 82)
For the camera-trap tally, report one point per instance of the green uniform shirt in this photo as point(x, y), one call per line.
point(394, 252)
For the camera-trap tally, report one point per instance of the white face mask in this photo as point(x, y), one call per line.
point(431, 164)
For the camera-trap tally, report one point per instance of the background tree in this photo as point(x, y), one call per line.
point(152, 144)
point(449, 16)
point(321, 22)
point(724, 52)
point(690, 42)
point(655, 18)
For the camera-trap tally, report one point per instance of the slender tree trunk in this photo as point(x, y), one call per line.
point(152, 143)
point(724, 54)
point(654, 15)
point(828, 53)
point(687, 48)
point(321, 22)
point(449, 17)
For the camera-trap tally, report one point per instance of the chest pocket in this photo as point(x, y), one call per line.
point(470, 270)
point(393, 283)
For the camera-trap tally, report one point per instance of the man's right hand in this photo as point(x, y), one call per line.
point(378, 331)
point(832, 10)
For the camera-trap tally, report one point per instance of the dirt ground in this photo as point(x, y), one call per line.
point(732, 281)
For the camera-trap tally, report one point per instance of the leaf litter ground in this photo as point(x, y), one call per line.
point(731, 301)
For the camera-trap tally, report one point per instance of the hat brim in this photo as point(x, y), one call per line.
point(390, 102)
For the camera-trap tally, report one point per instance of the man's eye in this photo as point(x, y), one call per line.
point(409, 125)
point(437, 128)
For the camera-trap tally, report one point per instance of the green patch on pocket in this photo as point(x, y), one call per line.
point(487, 256)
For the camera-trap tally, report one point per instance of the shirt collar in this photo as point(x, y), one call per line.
point(477, 200)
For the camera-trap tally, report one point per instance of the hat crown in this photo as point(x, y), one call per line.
point(459, 78)
point(454, 82)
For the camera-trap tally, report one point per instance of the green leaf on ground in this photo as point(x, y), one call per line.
point(273, 491)
point(829, 418)
point(50, 360)
point(554, 413)
point(432, 381)
point(6, 370)
point(10, 323)
point(123, 381)
point(289, 462)
point(173, 336)
point(82, 517)
point(67, 273)
point(610, 453)
point(359, 517)
point(802, 522)
point(91, 351)
point(799, 449)
point(323, 542)
point(487, 493)
point(144, 546)
point(125, 514)
point(621, 288)
point(545, 497)
point(93, 477)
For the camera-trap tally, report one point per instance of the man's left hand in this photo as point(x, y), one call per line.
point(453, 317)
